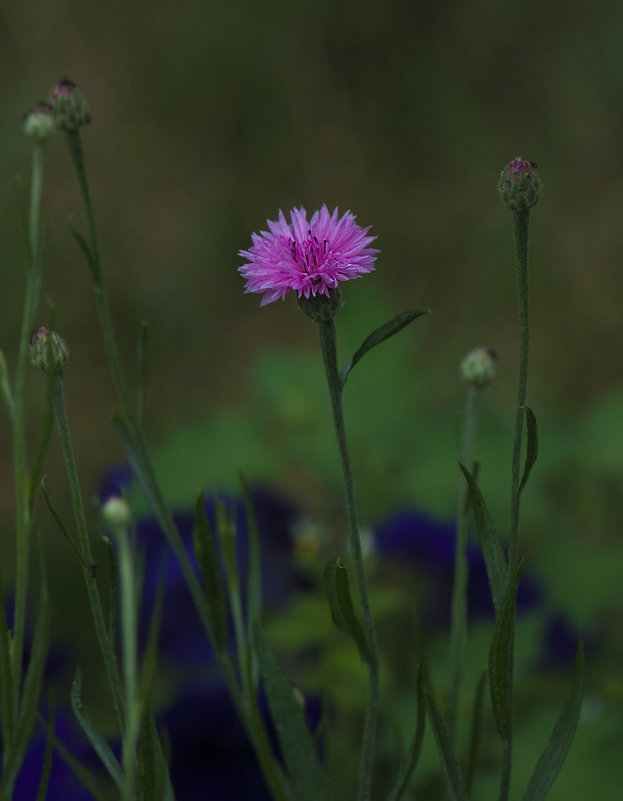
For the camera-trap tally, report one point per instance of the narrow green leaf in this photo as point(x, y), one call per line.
point(449, 763)
point(306, 772)
point(62, 527)
point(413, 754)
point(31, 691)
point(206, 553)
point(102, 749)
point(554, 755)
point(474, 738)
point(254, 578)
point(113, 589)
point(382, 333)
point(335, 581)
point(153, 773)
point(150, 657)
point(532, 445)
point(47, 755)
point(490, 545)
point(7, 720)
point(500, 659)
point(141, 370)
point(82, 243)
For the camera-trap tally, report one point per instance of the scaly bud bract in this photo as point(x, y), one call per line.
point(519, 184)
point(47, 347)
point(69, 106)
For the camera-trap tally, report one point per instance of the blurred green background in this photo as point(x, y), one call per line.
point(207, 117)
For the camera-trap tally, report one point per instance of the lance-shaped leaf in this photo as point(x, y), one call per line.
point(474, 737)
point(102, 749)
point(47, 755)
point(413, 754)
point(207, 556)
point(335, 581)
point(500, 659)
point(492, 551)
point(305, 770)
point(153, 773)
point(552, 758)
point(449, 763)
point(532, 445)
point(386, 331)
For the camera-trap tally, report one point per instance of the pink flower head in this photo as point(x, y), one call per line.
point(310, 257)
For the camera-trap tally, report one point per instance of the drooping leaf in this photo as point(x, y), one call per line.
point(382, 333)
point(490, 545)
point(532, 445)
point(554, 755)
point(500, 659)
point(206, 553)
point(335, 581)
point(413, 754)
point(305, 770)
point(102, 749)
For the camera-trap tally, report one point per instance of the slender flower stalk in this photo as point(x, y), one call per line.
point(84, 546)
point(366, 760)
point(519, 187)
point(477, 370)
point(117, 514)
point(521, 220)
point(23, 491)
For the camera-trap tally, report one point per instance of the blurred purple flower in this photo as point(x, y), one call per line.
point(429, 544)
point(309, 257)
point(63, 782)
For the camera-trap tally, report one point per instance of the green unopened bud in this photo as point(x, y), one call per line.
point(69, 106)
point(519, 184)
point(478, 367)
point(321, 307)
point(38, 121)
point(46, 347)
point(116, 513)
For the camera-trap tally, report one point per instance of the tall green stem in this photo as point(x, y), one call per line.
point(458, 625)
point(329, 355)
point(521, 224)
point(105, 643)
point(22, 489)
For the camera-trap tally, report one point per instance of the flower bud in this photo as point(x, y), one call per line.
point(45, 347)
point(321, 308)
point(519, 185)
point(69, 106)
point(38, 121)
point(478, 367)
point(116, 513)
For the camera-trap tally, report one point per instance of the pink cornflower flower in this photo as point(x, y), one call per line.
point(310, 257)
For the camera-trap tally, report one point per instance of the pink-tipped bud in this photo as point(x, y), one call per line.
point(519, 184)
point(47, 349)
point(478, 367)
point(38, 121)
point(69, 106)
